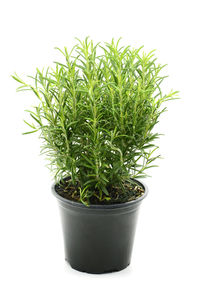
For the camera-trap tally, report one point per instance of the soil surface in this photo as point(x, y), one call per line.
point(116, 194)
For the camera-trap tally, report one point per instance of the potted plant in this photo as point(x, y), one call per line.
point(96, 112)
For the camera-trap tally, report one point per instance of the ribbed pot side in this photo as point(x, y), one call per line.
point(99, 238)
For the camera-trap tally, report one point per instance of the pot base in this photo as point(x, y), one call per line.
point(88, 271)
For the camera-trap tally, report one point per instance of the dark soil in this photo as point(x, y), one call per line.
point(116, 194)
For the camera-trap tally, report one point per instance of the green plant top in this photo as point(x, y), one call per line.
point(96, 112)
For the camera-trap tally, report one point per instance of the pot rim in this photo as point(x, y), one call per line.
point(101, 206)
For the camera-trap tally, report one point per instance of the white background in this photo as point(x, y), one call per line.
point(165, 262)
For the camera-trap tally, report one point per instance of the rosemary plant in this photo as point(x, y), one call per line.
point(96, 112)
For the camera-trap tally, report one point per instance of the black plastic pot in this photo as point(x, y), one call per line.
point(99, 238)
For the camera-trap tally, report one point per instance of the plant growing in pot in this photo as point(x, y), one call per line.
point(96, 112)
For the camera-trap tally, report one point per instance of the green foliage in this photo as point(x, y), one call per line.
point(96, 112)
